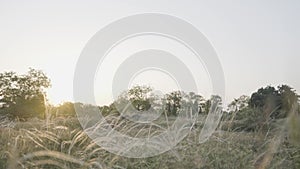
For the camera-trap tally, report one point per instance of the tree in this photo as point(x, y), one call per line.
point(267, 100)
point(260, 98)
point(192, 101)
point(23, 96)
point(288, 97)
point(105, 110)
point(266, 105)
point(275, 103)
point(139, 97)
point(66, 109)
point(239, 104)
point(136, 99)
point(208, 103)
point(173, 102)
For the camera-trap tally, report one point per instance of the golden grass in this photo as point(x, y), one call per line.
point(63, 144)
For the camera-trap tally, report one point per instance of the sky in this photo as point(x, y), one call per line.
point(257, 42)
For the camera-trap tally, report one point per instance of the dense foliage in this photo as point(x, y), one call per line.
point(23, 96)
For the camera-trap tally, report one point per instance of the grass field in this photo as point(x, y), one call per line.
point(61, 143)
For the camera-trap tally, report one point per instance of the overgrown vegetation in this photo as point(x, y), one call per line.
point(257, 131)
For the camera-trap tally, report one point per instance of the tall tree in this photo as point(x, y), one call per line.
point(267, 100)
point(173, 101)
point(23, 96)
point(275, 103)
point(288, 96)
point(194, 101)
point(139, 97)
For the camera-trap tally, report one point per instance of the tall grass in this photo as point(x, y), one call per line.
point(61, 143)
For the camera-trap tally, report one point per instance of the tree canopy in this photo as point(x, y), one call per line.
point(274, 102)
point(23, 95)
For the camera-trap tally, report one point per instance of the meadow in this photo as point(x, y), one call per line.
point(61, 143)
point(258, 131)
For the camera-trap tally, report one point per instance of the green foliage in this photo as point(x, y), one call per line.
point(105, 110)
point(248, 119)
point(293, 126)
point(288, 97)
point(22, 96)
point(180, 100)
point(266, 108)
point(66, 109)
point(138, 96)
point(274, 103)
point(260, 98)
point(173, 101)
point(238, 104)
point(143, 98)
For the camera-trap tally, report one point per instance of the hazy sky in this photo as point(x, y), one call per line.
point(257, 41)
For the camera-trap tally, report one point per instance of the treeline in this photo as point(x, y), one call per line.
point(24, 96)
point(263, 108)
point(142, 99)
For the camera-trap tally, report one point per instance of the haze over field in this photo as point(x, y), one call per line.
point(257, 42)
point(149, 84)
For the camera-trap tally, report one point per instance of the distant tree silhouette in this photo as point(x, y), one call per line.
point(173, 101)
point(267, 100)
point(66, 109)
point(275, 103)
point(23, 96)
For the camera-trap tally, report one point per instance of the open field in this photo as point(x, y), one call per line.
point(61, 143)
